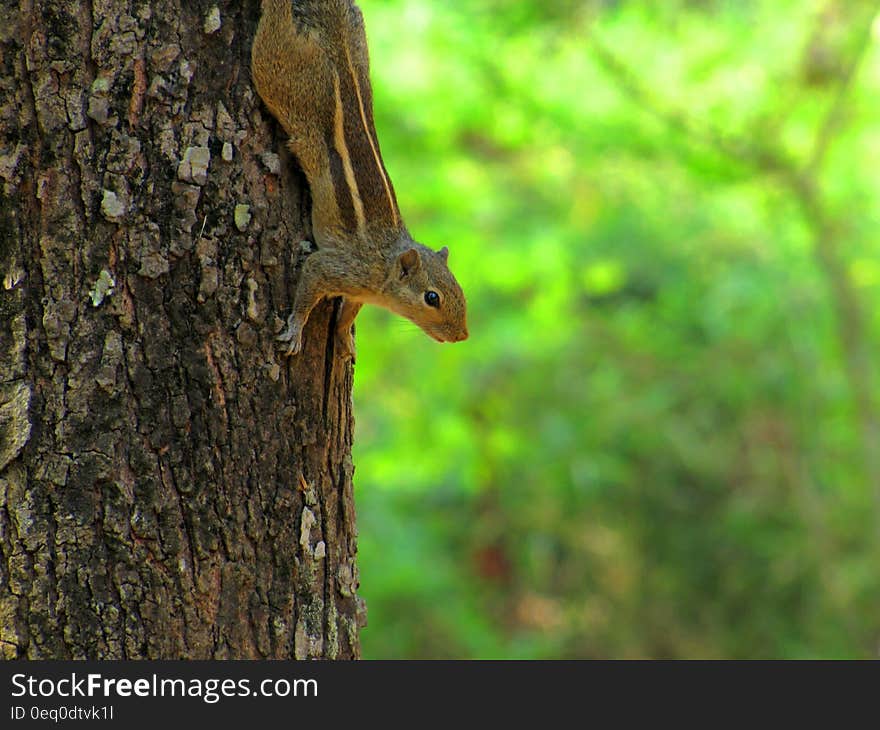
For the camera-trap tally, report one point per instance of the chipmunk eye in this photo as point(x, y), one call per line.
point(432, 299)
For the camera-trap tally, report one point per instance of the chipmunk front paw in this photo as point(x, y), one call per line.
point(292, 336)
point(345, 344)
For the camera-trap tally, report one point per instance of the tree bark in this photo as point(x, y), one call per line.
point(170, 485)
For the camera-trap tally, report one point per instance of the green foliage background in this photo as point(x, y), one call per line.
point(661, 438)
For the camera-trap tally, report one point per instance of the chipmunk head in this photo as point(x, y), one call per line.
point(422, 289)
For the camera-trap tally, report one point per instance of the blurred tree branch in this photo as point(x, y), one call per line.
point(746, 150)
point(803, 180)
point(855, 338)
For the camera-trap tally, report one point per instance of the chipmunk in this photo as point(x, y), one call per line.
point(310, 65)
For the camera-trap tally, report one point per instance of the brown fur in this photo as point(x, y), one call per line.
point(310, 65)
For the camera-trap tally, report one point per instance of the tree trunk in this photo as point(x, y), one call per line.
point(170, 485)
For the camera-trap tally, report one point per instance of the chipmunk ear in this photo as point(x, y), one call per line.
point(408, 262)
point(444, 252)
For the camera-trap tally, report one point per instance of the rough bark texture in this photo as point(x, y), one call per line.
point(170, 486)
